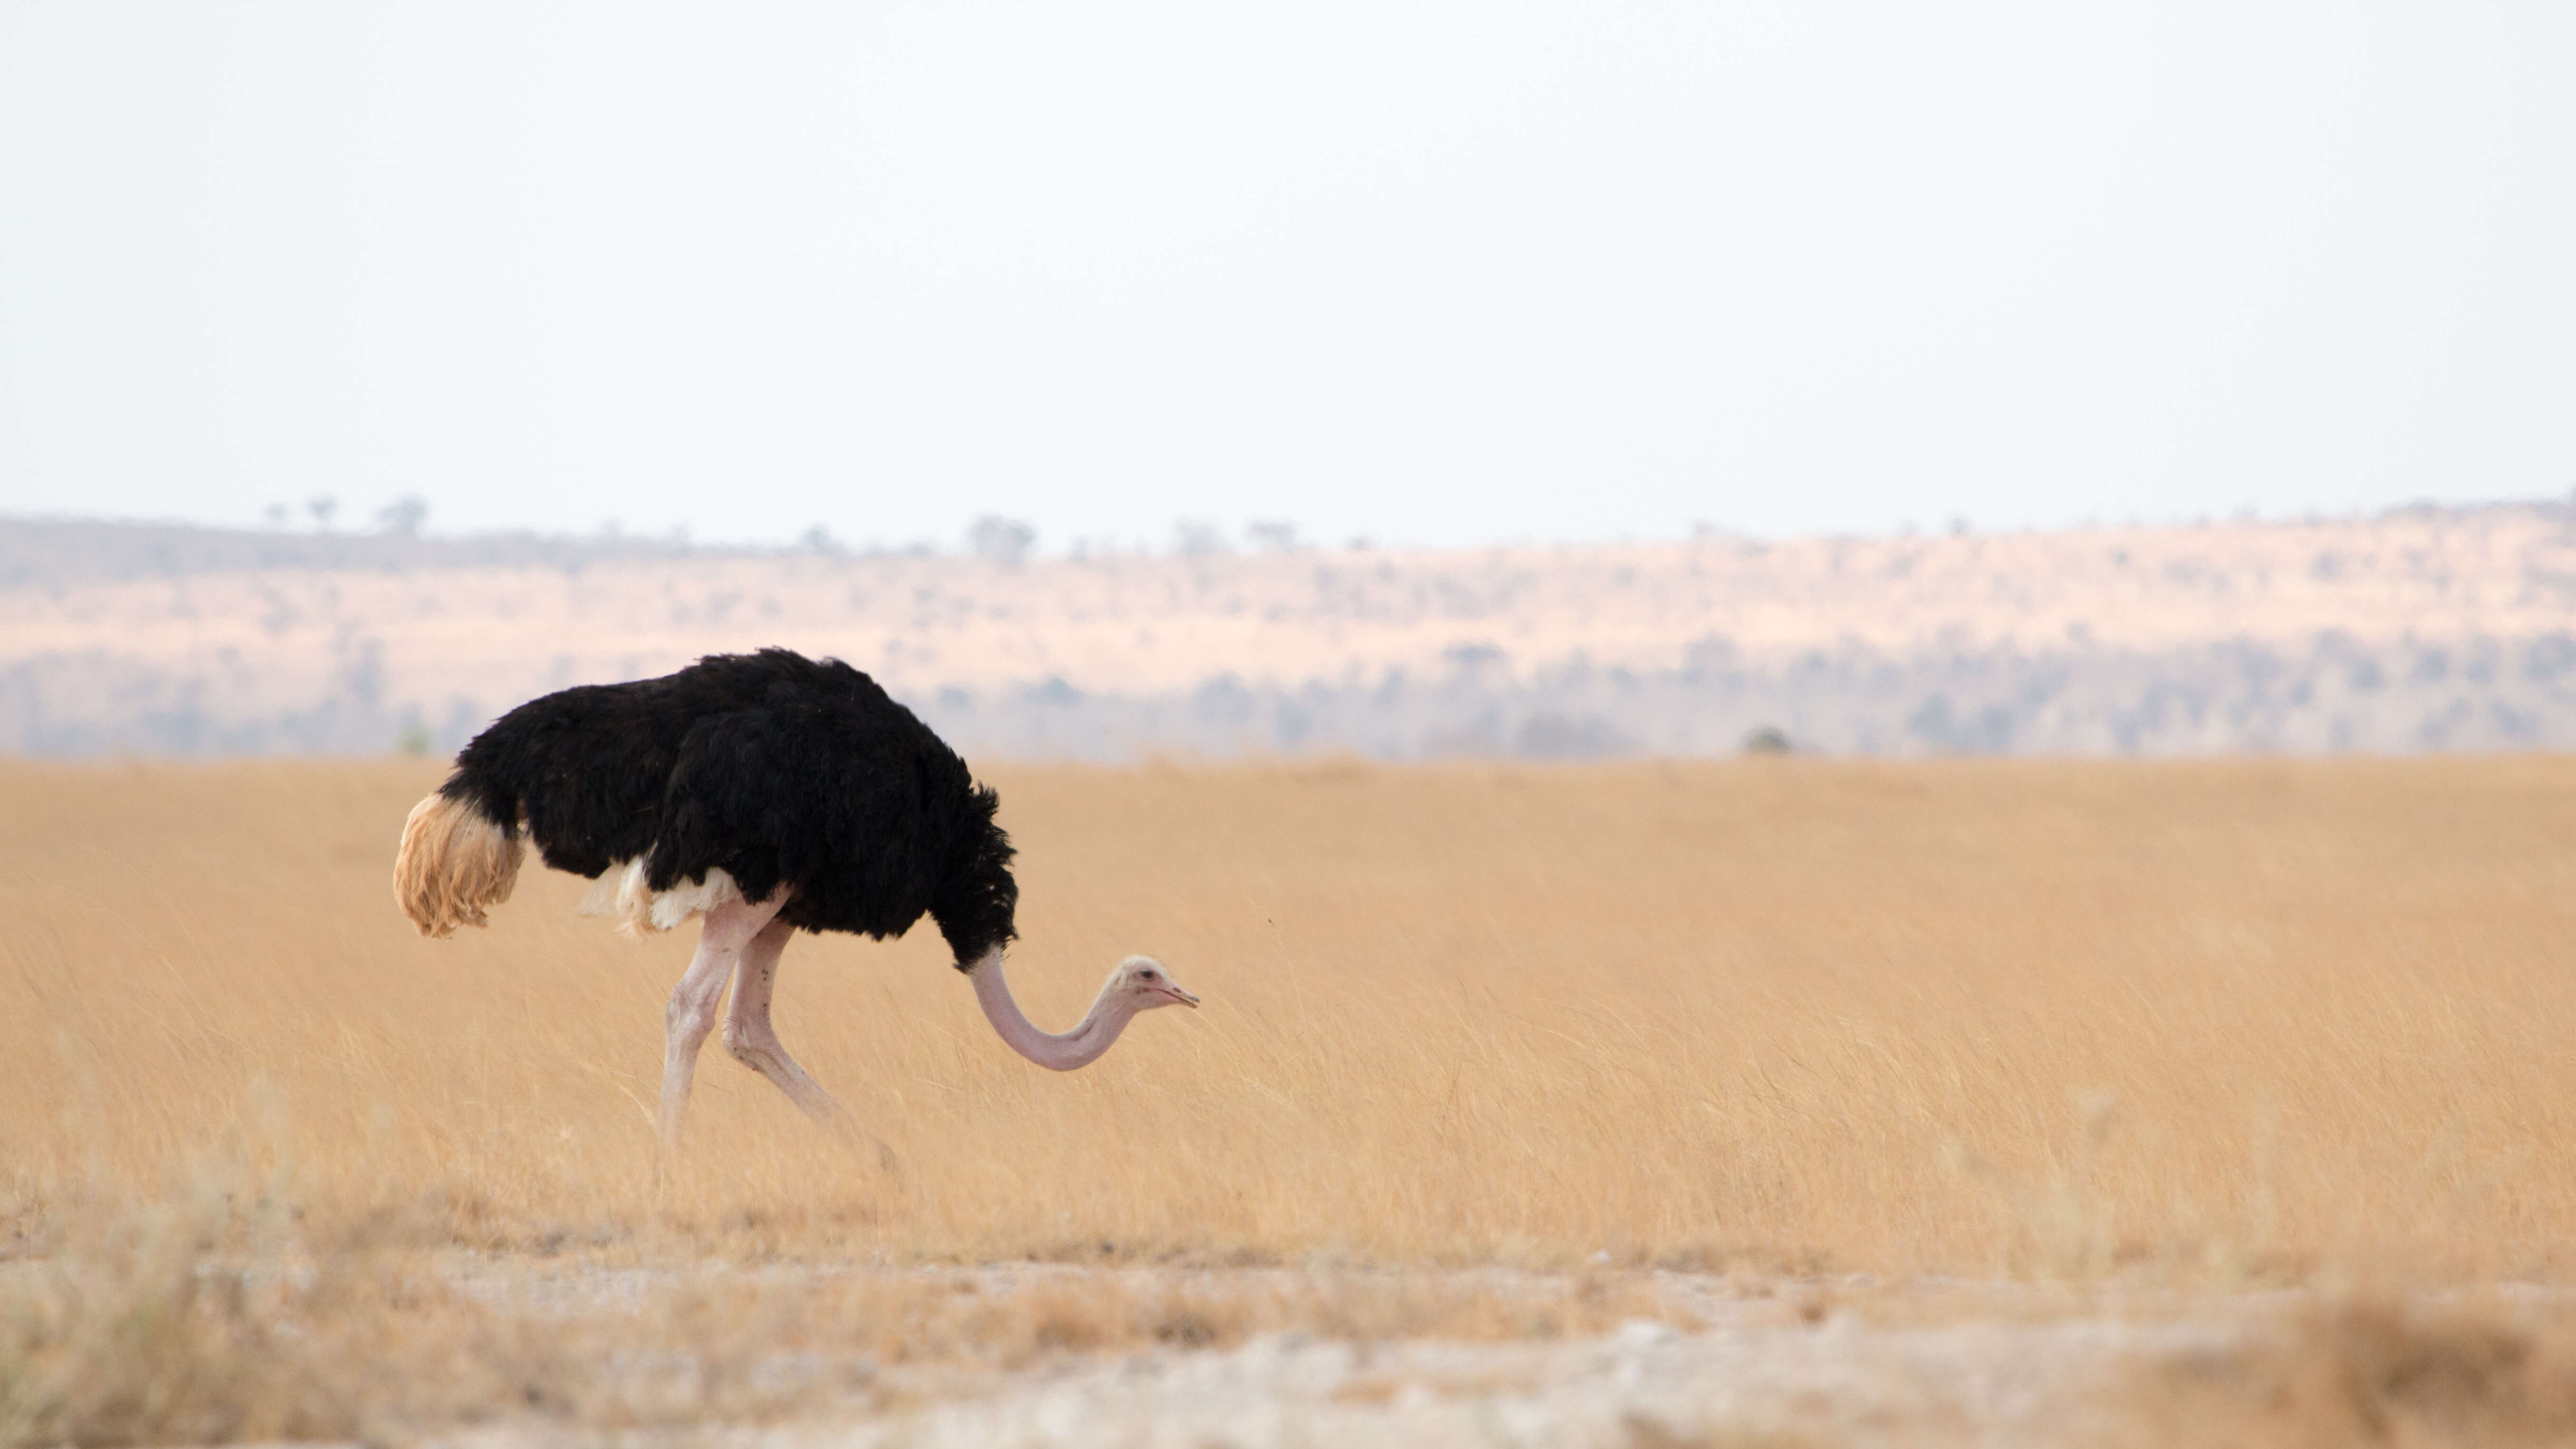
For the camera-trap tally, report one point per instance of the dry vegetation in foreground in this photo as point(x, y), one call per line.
point(213, 1316)
point(2170, 1026)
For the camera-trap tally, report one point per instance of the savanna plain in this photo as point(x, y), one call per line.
point(1774, 1101)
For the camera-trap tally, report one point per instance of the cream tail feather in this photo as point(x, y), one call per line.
point(454, 866)
point(1139, 984)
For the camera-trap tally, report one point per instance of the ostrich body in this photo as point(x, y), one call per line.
point(767, 793)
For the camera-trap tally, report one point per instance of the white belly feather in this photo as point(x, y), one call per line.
point(620, 892)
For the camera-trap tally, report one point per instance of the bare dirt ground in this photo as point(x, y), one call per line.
point(1708, 1360)
point(1759, 1363)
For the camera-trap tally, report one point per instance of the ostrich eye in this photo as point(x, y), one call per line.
point(1148, 975)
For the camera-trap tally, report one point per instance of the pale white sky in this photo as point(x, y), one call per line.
point(1447, 272)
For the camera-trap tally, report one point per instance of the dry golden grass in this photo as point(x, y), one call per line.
point(2177, 1024)
point(1949, 1018)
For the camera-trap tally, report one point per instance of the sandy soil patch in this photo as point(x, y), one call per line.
point(1722, 1361)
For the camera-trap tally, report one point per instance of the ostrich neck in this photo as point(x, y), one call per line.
point(1079, 1047)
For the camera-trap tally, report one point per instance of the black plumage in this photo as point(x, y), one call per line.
point(777, 769)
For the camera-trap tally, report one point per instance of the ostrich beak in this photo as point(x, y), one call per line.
point(1183, 997)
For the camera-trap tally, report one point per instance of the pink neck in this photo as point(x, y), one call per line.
point(1079, 1047)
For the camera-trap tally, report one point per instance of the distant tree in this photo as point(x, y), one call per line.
point(1198, 538)
point(322, 506)
point(276, 514)
point(1768, 740)
point(1549, 735)
point(1004, 541)
point(1275, 535)
point(820, 540)
point(403, 516)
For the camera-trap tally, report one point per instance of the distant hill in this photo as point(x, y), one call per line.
point(2421, 629)
point(60, 552)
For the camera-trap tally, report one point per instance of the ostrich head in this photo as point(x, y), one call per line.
point(1143, 981)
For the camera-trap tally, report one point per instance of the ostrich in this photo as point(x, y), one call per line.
point(768, 793)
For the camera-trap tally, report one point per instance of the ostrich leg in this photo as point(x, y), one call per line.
point(723, 942)
point(754, 1042)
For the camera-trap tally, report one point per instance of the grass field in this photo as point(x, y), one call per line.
point(2205, 1025)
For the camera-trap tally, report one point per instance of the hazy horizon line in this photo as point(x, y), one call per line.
point(1201, 537)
